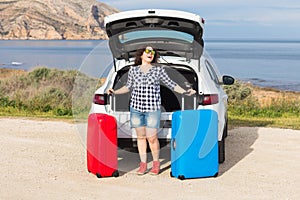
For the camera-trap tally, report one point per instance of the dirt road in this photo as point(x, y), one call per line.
point(47, 160)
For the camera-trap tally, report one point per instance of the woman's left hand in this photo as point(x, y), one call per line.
point(191, 92)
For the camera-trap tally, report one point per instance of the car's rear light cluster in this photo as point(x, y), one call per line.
point(100, 99)
point(209, 99)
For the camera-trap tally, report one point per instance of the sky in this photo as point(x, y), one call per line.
point(232, 19)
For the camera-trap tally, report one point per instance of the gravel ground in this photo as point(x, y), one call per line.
point(47, 160)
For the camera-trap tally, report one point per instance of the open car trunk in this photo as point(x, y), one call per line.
point(171, 101)
point(170, 32)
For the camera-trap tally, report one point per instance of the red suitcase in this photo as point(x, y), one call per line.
point(102, 148)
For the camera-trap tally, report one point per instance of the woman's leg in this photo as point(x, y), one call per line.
point(155, 148)
point(153, 142)
point(153, 123)
point(142, 143)
point(142, 147)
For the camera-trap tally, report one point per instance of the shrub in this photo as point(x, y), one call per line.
point(39, 74)
point(243, 103)
point(45, 90)
point(238, 91)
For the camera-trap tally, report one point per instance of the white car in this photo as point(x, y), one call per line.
point(177, 36)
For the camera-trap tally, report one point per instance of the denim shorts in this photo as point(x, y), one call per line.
point(148, 119)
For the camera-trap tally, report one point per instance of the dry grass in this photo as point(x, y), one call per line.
point(8, 73)
point(266, 96)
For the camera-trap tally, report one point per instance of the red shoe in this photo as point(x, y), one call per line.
point(156, 168)
point(143, 168)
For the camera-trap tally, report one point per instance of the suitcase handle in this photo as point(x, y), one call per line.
point(198, 99)
point(112, 100)
point(173, 144)
point(186, 94)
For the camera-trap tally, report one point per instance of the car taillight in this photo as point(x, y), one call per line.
point(209, 99)
point(100, 99)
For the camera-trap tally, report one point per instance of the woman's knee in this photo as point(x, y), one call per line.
point(152, 139)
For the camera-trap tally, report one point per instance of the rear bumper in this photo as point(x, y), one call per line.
point(132, 142)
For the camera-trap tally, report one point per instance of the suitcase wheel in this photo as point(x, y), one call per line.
point(216, 174)
point(171, 174)
point(116, 173)
point(181, 177)
point(98, 175)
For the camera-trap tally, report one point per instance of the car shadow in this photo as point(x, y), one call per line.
point(129, 160)
point(238, 145)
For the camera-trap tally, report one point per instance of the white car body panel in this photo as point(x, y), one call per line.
point(158, 12)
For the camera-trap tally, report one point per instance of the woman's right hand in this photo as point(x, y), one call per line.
point(110, 91)
point(121, 90)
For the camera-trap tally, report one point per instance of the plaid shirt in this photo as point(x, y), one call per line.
point(145, 96)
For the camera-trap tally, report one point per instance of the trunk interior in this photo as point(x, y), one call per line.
point(171, 101)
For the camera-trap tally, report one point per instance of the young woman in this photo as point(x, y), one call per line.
point(143, 81)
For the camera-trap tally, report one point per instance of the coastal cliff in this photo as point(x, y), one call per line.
point(52, 19)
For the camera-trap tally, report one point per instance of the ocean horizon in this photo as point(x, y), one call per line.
point(273, 63)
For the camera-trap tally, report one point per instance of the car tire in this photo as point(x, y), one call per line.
point(221, 145)
point(225, 131)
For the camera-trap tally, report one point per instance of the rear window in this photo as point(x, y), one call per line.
point(212, 72)
point(143, 34)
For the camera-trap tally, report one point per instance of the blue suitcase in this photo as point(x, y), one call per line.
point(194, 144)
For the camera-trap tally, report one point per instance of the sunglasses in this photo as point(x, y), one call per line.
point(150, 51)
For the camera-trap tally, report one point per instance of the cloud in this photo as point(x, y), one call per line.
point(188, 4)
point(256, 13)
point(218, 10)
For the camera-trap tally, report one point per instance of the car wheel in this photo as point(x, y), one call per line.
point(225, 132)
point(221, 145)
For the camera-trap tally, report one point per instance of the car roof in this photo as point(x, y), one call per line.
point(120, 25)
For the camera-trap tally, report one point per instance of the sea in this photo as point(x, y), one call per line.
point(267, 63)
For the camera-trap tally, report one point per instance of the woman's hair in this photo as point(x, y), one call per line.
point(139, 53)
